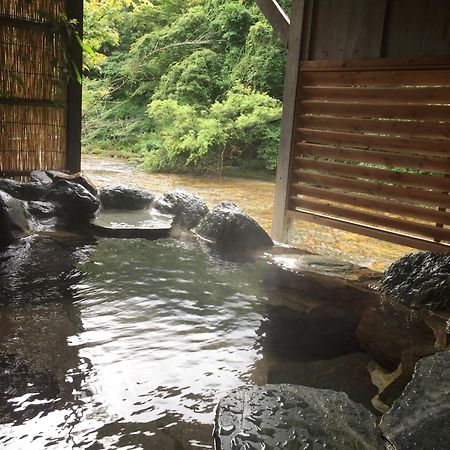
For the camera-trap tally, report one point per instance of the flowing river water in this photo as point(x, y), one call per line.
point(108, 343)
point(256, 197)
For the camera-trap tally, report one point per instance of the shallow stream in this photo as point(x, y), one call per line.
point(256, 197)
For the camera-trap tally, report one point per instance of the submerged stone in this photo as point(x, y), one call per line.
point(32, 191)
point(14, 219)
point(420, 280)
point(293, 417)
point(131, 233)
point(420, 418)
point(75, 204)
point(124, 197)
point(231, 227)
point(347, 373)
point(188, 209)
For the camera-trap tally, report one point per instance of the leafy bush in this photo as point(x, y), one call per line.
point(245, 123)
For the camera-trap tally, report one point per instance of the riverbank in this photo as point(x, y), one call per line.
point(256, 197)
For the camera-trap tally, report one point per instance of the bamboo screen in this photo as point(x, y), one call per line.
point(372, 148)
point(33, 87)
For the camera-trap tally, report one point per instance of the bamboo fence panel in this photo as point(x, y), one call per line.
point(33, 87)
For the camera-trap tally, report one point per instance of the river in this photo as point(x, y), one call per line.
point(256, 197)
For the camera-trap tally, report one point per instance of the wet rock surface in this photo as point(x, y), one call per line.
point(386, 331)
point(125, 197)
point(32, 191)
point(347, 373)
point(420, 418)
point(188, 209)
point(420, 280)
point(41, 210)
point(77, 178)
point(14, 219)
point(232, 228)
point(319, 332)
point(293, 417)
point(74, 204)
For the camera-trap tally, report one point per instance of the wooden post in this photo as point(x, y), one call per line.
point(277, 18)
point(73, 139)
point(281, 222)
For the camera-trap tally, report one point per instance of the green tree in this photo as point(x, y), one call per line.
point(183, 84)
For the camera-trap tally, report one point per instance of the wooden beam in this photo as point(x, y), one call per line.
point(277, 18)
point(366, 230)
point(24, 23)
point(281, 222)
point(73, 142)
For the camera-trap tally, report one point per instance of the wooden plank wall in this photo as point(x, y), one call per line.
point(354, 29)
point(370, 150)
point(372, 146)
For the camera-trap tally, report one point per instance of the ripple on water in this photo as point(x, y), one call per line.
point(159, 332)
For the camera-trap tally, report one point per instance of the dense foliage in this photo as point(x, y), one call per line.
point(183, 84)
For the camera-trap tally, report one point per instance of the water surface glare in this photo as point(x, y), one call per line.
point(148, 338)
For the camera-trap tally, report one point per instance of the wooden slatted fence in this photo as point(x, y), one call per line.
point(372, 149)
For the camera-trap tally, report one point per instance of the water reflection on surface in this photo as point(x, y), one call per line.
point(130, 346)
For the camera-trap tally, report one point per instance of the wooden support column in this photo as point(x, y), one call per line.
point(281, 221)
point(277, 18)
point(73, 143)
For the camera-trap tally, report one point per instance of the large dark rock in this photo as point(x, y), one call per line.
point(32, 191)
point(124, 197)
point(293, 417)
point(74, 204)
point(14, 219)
point(40, 176)
point(77, 178)
point(232, 228)
point(188, 209)
point(387, 330)
point(420, 280)
point(41, 210)
point(420, 418)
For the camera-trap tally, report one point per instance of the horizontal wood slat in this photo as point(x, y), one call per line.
point(401, 178)
point(388, 78)
point(373, 203)
point(384, 109)
point(377, 220)
point(373, 95)
point(388, 191)
point(421, 129)
point(366, 230)
point(382, 64)
point(390, 143)
point(373, 157)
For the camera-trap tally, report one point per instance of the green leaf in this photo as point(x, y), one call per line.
point(86, 47)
